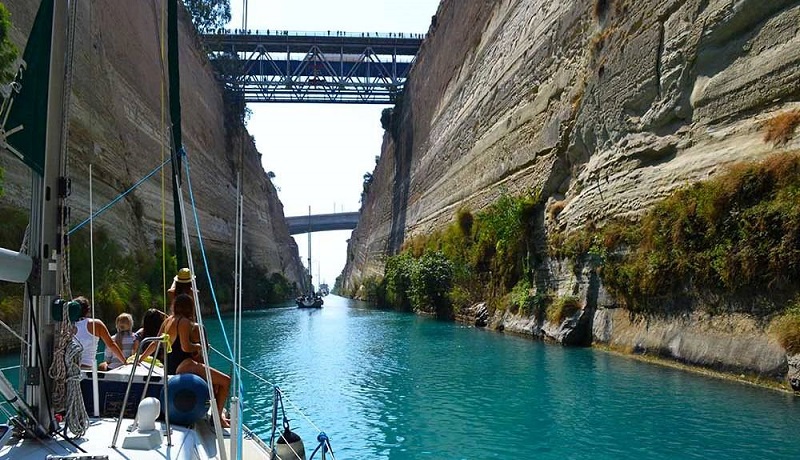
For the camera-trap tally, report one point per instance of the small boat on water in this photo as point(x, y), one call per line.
point(135, 411)
point(310, 299)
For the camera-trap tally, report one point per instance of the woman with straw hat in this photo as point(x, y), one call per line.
point(181, 284)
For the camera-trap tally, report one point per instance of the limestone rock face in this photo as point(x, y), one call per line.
point(605, 107)
point(794, 372)
point(119, 123)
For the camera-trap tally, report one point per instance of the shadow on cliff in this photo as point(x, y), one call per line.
point(403, 154)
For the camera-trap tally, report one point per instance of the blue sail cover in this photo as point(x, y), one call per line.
point(30, 105)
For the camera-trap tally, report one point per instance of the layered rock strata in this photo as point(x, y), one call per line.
point(119, 123)
point(605, 107)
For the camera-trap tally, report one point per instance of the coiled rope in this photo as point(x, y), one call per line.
point(77, 420)
point(58, 368)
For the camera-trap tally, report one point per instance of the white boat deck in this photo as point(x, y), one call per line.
point(196, 443)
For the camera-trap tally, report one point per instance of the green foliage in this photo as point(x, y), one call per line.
point(12, 231)
point(459, 298)
point(563, 308)
point(478, 256)
point(135, 282)
point(524, 298)
point(8, 56)
point(397, 276)
point(374, 289)
point(8, 51)
point(208, 15)
point(431, 280)
point(736, 235)
point(390, 116)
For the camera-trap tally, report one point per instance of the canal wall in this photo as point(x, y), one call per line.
point(605, 107)
point(119, 123)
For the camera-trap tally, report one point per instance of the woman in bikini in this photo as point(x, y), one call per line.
point(180, 326)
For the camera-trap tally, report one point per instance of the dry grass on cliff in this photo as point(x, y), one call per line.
point(562, 308)
point(786, 328)
point(780, 128)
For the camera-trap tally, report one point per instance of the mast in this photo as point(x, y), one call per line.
point(310, 277)
point(175, 118)
point(47, 193)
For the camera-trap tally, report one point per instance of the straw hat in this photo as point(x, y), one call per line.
point(184, 276)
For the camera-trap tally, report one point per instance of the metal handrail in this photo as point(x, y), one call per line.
point(148, 341)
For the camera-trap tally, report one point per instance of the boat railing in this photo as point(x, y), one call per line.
point(163, 338)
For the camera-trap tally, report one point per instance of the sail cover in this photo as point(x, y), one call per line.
point(29, 108)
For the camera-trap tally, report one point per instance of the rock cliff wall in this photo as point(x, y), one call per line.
point(604, 106)
point(119, 122)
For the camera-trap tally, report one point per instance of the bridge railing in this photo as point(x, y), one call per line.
point(299, 33)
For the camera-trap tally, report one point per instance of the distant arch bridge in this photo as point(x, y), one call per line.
point(322, 222)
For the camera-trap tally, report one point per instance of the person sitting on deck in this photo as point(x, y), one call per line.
point(151, 325)
point(87, 331)
point(181, 326)
point(123, 338)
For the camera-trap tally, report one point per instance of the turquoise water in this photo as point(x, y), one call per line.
point(385, 385)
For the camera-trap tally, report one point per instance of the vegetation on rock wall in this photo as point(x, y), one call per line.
point(134, 282)
point(8, 51)
point(482, 256)
point(723, 243)
point(733, 238)
point(8, 56)
point(786, 328)
point(780, 128)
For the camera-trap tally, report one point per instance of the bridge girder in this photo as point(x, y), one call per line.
point(314, 67)
point(322, 222)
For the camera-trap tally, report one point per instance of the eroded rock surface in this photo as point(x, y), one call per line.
point(116, 124)
point(604, 110)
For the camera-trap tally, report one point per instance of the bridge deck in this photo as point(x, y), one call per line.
point(322, 222)
point(314, 67)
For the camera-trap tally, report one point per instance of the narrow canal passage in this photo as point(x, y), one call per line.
point(387, 385)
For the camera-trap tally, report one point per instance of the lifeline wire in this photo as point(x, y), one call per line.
point(262, 379)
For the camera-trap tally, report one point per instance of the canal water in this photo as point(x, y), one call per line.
point(387, 385)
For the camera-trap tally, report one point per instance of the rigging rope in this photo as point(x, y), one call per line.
point(263, 380)
point(14, 333)
point(58, 368)
point(66, 287)
point(77, 420)
point(115, 200)
point(205, 259)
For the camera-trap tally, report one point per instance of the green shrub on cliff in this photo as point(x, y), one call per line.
point(562, 308)
point(431, 280)
point(477, 257)
point(736, 235)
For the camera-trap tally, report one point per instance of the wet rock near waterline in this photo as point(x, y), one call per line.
point(793, 376)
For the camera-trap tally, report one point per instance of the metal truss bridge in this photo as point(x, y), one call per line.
point(320, 67)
